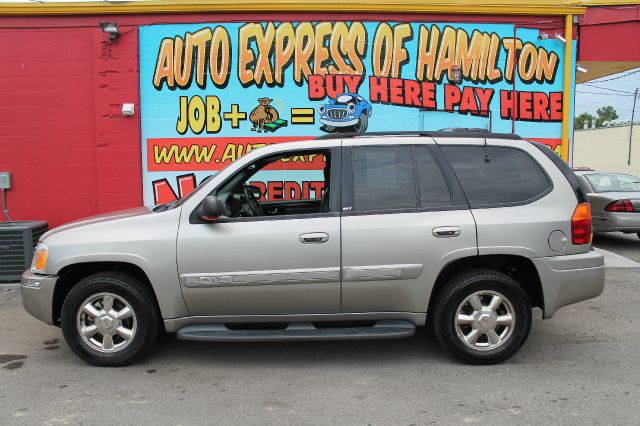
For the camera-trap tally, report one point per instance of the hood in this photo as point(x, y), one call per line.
point(105, 217)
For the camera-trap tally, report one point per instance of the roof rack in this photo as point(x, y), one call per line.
point(455, 132)
point(464, 129)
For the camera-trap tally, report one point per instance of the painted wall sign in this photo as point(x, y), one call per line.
point(213, 92)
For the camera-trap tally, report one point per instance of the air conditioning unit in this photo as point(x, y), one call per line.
point(17, 241)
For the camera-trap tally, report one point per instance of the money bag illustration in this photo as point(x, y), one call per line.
point(263, 114)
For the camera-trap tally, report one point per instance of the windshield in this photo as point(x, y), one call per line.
point(612, 182)
point(344, 99)
point(181, 201)
point(178, 202)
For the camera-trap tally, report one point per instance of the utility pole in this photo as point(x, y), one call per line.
point(633, 113)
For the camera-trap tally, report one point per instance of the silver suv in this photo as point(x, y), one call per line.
point(373, 236)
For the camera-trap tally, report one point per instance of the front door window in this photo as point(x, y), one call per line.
point(284, 184)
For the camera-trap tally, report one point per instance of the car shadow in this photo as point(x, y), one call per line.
point(616, 238)
point(423, 346)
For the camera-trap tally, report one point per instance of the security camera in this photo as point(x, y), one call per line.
point(560, 38)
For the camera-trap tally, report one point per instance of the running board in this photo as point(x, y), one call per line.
point(304, 331)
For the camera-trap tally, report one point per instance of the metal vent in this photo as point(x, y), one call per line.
point(17, 241)
point(11, 253)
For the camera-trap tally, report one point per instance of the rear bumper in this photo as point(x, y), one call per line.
point(570, 279)
point(624, 222)
point(37, 295)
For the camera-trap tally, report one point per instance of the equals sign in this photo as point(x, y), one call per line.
point(303, 116)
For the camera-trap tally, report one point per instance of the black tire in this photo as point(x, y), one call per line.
point(127, 288)
point(463, 286)
point(362, 125)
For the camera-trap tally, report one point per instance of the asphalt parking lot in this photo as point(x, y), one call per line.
point(627, 245)
point(581, 367)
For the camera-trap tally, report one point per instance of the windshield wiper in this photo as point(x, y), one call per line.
point(166, 206)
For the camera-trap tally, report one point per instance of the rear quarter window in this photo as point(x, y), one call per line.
point(495, 176)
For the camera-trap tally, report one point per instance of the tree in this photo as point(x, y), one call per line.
point(578, 122)
point(605, 114)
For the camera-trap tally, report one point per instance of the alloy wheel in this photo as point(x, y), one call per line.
point(106, 322)
point(484, 320)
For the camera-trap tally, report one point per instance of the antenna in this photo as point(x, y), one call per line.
point(486, 154)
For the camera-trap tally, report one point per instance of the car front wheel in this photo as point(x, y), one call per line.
point(362, 124)
point(108, 319)
point(482, 317)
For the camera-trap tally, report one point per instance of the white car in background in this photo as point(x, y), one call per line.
point(614, 199)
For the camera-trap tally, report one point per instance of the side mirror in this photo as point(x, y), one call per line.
point(211, 208)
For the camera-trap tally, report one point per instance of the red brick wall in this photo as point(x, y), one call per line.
point(62, 85)
point(62, 135)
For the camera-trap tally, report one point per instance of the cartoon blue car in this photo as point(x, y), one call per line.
point(348, 112)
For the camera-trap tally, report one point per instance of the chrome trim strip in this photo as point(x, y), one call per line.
point(173, 324)
point(285, 276)
point(381, 272)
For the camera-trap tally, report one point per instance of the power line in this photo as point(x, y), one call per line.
point(601, 93)
point(627, 102)
point(606, 88)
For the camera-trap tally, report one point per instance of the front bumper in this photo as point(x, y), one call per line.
point(569, 279)
point(339, 123)
point(37, 295)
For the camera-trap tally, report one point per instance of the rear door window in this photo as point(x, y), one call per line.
point(493, 176)
point(383, 178)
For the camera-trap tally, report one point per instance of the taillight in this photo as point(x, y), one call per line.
point(620, 206)
point(581, 225)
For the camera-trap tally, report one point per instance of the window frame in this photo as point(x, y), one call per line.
point(334, 195)
point(566, 171)
point(414, 150)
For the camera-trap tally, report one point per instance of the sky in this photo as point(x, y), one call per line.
point(616, 90)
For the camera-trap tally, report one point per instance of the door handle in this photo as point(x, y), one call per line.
point(314, 238)
point(446, 231)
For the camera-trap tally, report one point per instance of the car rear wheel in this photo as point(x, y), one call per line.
point(482, 317)
point(108, 319)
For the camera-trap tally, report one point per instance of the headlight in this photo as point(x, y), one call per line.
point(39, 262)
point(351, 107)
point(321, 109)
